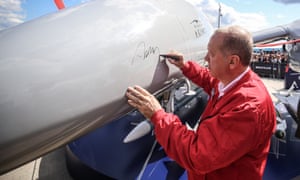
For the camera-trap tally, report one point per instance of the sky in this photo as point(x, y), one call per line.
point(251, 14)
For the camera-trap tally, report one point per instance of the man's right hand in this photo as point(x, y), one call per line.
point(179, 63)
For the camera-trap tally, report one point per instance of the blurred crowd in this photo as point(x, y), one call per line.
point(269, 56)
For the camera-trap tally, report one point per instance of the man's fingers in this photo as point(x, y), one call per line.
point(142, 100)
point(133, 97)
point(132, 103)
point(139, 93)
point(142, 90)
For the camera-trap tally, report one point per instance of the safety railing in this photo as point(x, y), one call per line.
point(271, 70)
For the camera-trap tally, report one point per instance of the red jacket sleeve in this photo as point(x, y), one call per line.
point(199, 75)
point(219, 140)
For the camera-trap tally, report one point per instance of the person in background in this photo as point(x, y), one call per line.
point(233, 137)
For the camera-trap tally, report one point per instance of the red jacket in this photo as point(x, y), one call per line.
point(233, 137)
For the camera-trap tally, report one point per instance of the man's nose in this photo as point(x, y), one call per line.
point(206, 58)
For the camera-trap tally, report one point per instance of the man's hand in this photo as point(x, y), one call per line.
point(180, 62)
point(141, 99)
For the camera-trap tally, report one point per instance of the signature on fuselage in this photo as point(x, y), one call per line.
point(143, 52)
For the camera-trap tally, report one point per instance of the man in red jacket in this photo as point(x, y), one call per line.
point(233, 137)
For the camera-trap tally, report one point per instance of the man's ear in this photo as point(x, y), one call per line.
point(234, 61)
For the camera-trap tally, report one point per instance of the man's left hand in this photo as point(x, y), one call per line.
point(141, 99)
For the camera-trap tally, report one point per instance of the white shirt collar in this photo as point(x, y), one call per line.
point(223, 89)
